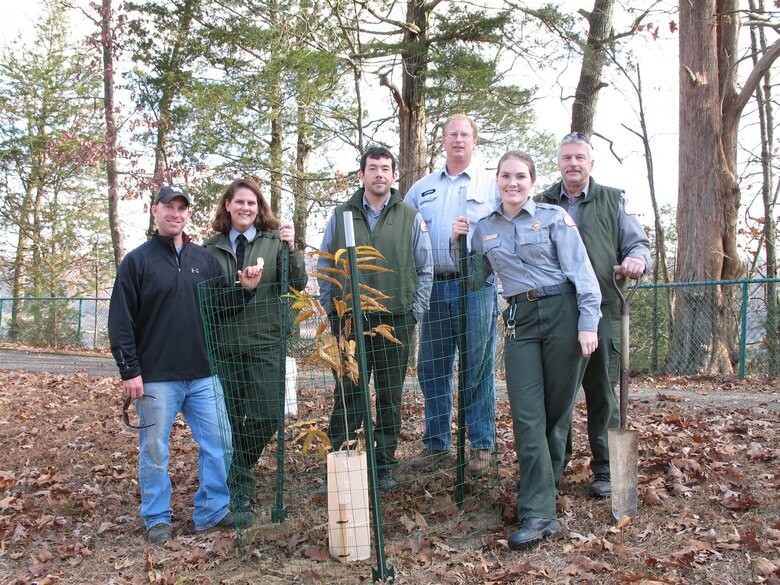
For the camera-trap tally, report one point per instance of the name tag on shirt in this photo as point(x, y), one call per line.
point(489, 237)
point(428, 192)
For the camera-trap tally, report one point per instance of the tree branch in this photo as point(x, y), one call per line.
point(758, 72)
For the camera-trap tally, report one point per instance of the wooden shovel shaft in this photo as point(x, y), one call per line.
point(625, 309)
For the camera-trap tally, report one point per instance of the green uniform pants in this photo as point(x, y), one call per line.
point(601, 377)
point(388, 361)
point(254, 389)
point(544, 369)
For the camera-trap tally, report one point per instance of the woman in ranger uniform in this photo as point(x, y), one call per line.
point(551, 325)
point(249, 347)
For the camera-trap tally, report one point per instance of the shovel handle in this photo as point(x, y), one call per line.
point(625, 307)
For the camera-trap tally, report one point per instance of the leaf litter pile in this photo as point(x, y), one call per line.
point(709, 510)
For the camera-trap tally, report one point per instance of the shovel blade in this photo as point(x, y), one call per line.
point(624, 471)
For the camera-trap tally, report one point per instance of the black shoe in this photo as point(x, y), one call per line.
point(533, 530)
point(387, 481)
point(601, 486)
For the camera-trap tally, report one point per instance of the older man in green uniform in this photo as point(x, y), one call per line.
point(613, 235)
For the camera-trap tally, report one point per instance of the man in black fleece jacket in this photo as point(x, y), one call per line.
point(157, 339)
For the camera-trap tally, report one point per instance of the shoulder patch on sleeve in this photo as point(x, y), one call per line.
point(628, 209)
point(423, 226)
point(567, 219)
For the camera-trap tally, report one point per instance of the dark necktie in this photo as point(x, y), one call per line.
point(240, 248)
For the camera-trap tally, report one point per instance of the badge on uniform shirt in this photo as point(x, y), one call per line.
point(489, 237)
point(428, 192)
point(536, 225)
point(628, 209)
point(567, 219)
point(423, 226)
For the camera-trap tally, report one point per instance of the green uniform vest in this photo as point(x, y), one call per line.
point(394, 238)
point(258, 324)
point(597, 220)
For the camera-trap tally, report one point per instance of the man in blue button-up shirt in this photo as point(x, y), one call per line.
point(460, 188)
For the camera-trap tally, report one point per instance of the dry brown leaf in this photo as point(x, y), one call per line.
point(316, 553)
point(763, 566)
point(7, 479)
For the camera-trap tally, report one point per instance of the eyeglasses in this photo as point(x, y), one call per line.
point(454, 135)
point(576, 135)
point(126, 414)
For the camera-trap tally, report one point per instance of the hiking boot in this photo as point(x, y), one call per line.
point(227, 522)
point(159, 533)
point(533, 530)
point(386, 480)
point(601, 486)
point(428, 458)
point(480, 462)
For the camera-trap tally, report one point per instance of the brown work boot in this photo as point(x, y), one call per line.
point(480, 462)
point(428, 458)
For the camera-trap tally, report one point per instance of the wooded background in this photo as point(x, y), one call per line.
point(198, 92)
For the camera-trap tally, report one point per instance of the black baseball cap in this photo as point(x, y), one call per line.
point(168, 193)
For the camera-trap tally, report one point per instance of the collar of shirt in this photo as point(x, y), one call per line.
point(582, 194)
point(248, 234)
point(475, 177)
point(529, 206)
point(370, 210)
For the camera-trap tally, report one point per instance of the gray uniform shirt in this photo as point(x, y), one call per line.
point(540, 246)
point(441, 197)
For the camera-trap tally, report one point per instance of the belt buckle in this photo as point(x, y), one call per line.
point(532, 294)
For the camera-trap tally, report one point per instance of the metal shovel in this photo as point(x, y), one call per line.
point(623, 442)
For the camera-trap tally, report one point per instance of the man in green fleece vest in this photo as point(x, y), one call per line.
point(613, 235)
point(380, 219)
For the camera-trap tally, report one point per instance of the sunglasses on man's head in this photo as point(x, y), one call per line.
point(578, 136)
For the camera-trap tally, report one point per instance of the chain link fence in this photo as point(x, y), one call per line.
point(55, 321)
point(729, 326)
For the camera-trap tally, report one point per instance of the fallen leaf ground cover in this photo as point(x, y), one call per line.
point(709, 509)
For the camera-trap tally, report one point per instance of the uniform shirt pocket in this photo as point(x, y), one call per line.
point(492, 249)
point(534, 247)
point(428, 207)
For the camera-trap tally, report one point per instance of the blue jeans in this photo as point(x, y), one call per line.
point(203, 406)
point(439, 331)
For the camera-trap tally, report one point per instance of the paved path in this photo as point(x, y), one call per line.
point(56, 363)
point(64, 363)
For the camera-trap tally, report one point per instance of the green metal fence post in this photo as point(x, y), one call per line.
point(743, 336)
point(382, 572)
point(460, 469)
point(279, 513)
point(78, 327)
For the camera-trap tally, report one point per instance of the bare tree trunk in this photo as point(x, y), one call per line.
point(277, 160)
point(19, 265)
point(301, 204)
point(709, 198)
point(583, 111)
point(107, 44)
point(766, 123)
point(411, 107)
point(169, 92)
point(699, 249)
